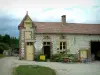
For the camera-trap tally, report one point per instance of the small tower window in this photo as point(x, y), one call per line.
point(29, 43)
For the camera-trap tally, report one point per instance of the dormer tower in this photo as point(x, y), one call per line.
point(26, 38)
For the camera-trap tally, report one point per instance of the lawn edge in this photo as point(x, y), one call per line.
point(14, 69)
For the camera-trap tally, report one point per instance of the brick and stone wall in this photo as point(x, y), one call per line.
point(77, 42)
point(22, 40)
point(74, 42)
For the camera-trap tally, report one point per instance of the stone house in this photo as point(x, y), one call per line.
point(56, 37)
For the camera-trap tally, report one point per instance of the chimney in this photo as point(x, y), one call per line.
point(63, 19)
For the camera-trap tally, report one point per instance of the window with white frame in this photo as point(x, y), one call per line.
point(62, 45)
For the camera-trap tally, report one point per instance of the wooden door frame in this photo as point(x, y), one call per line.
point(25, 56)
point(50, 47)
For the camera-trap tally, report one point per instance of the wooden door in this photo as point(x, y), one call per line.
point(29, 51)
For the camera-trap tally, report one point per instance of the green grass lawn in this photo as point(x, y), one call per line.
point(33, 70)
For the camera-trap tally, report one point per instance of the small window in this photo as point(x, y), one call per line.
point(31, 43)
point(62, 45)
point(27, 43)
point(48, 43)
point(44, 43)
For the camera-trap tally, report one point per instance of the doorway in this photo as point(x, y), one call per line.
point(95, 49)
point(47, 49)
point(29, 51)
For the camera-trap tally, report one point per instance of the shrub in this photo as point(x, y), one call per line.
point(60, 57)
point(37, 56)
point(57, 57)
point(72, 57)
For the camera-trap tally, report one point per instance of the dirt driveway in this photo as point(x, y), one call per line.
point(6, 65)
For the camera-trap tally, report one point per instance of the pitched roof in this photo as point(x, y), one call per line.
point(22, 22)
point(56, 27)
point(75, 28)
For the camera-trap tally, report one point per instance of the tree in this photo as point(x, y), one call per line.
point(6, 39)
point(3, 47)
point(12, 42)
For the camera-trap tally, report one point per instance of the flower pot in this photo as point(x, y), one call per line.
point(66, 59)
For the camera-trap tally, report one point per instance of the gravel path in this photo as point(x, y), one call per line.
point(6, 65)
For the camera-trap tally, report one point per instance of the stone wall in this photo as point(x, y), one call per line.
point(74, 42)
point(22, 40)
point(77, 42)
point(54, 38)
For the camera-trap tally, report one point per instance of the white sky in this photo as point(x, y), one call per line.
point(76, 11)
point(40, 9)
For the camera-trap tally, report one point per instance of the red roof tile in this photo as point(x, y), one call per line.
point(56, 27)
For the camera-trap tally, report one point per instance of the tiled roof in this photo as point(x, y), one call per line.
point(56, 27)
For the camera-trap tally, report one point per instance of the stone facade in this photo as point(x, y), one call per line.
point(56, 42)
point(77, 42)
point(74, 42)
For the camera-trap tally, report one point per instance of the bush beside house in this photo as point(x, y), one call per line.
point(64, 58)
point(60, 57)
